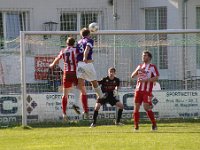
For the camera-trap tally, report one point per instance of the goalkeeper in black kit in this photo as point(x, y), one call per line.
point(109, 86)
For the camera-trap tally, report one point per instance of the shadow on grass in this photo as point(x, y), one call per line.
point(167, 123)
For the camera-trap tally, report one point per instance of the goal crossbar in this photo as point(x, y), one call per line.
point(117, 32)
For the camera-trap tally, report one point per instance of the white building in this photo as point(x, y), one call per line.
point(174, 63)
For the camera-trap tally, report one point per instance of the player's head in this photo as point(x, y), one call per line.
point(85, 32)
point(70, 41)
point(111, 72)
point(146, 56)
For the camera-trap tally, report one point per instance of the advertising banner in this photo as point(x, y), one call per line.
point(47, 107)
point(42, 67)
point(178, 104)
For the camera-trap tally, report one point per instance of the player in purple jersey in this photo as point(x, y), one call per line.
point(85, 68)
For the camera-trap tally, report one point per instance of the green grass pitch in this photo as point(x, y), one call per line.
point(170, 136)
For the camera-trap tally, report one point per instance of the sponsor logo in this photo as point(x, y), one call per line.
point(8, 119)
point(31, 104)
point(171, 94)
point(8, 105)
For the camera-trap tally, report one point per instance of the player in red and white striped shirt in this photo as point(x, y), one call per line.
point(68, 55)
point(147, 74)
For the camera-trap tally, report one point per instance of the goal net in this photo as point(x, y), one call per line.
point(31, 92)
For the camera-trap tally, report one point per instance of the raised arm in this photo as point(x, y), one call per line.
point(56, 61)
point(135, 73)
point(86, 52)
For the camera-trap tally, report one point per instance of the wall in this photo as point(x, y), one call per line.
point(43, 11)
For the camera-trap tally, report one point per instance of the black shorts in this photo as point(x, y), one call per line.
point(109, 99)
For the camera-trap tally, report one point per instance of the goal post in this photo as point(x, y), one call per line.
point(175, 52)
point(23, 78)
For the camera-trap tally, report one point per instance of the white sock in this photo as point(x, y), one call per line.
point(99, 92)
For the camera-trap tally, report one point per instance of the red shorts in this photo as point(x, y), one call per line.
point(142, 96)
point(70, 79)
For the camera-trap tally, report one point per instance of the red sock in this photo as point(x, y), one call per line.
point(150, 114)
point(150, 103)
point(150, 100)
point(136, 118)
point(64, 104)
point(84, 102)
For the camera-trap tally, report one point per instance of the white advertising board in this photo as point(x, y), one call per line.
point(47, 106)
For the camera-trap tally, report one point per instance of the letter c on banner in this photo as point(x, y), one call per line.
point(125, 98)
point(10, 109)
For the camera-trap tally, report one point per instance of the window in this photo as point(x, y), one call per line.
point(156, 19)
point(77, 20)
point(14, 24)
point(74, 21)
point(87, 18)
point(198, 36)
point(68, 22)
point(11, 23)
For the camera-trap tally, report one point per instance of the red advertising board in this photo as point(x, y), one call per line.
point(42, 66)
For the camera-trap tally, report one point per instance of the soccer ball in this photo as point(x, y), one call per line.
point(93, 27)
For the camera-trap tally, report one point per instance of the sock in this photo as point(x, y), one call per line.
point(99, 92)
point(150, 100)
point(150, 114)
point(95, 116)
point(136, 118)
point(150, 103)
point(64, 104)
point(119, 115)
point(84, 102)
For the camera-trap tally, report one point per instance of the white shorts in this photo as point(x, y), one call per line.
point(86, 71)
